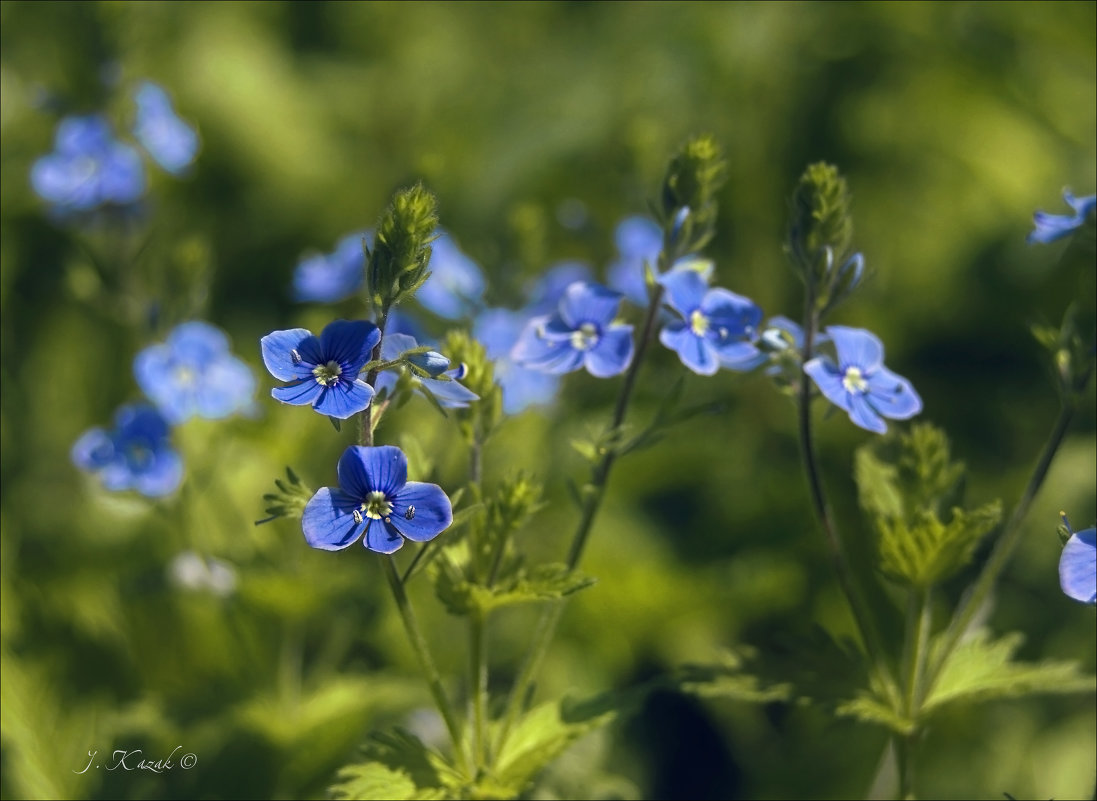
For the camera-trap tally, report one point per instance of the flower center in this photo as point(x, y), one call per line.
point(698, 323)
point(854, 381)
point(585, 336)
point(376, 506)
point(328, 374)
point(185, 376)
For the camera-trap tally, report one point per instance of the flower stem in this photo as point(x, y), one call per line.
point(1005, 546)
point(422, 652)
point(550, 617)
point(478, 672)
point(838, 558)
point(919, 623)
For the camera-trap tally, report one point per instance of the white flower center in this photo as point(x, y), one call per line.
point(328, 374)
point(854, 381)
point(585, 336)
point(698, 323)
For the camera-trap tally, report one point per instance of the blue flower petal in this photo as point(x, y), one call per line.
point(892, 395)
point(383, 468)
point(455, 284)
point(395, 344)
point(198, 340)
point(544, 295)
point(725, 309)
point(171, 142)
point(350, 342)
point(737, 355)
point(278, 347)
point(328, 521)
point(162, 476)
point(304, 393)
point(93, 451)
point(863, 414)
point(1050, 227)
point(536, 352)
point(685, 289)
point(1078, 566)
point(829, 381)
point(695, 352)
point(589, 303)
point(612, 354)
point(432, 513)
point(857, 347)
point(450, 394)
point(227, 386)
point(344, 399)
point(382, 537)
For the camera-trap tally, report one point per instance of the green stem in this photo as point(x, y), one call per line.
point(838, 559)
point(422, 652)
point(478, 671)
point(1005, 546)
point(550, 617)
point(918, 626)
point(365, 418)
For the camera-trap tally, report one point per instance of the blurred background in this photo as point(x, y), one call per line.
point(539, 126)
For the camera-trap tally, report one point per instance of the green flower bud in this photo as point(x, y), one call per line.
point(397, 265)
point(479, 377)
point(694, 177)
point(820, 220)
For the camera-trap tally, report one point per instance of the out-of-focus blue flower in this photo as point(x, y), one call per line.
point(580, 334)
point(498, 330)
point(375, 498)
point(717, 327)
point(331, 277)
point(1050, 227)
point(170, 141)
point(1078, 565)
point(545, 293)
point(323, 372)
point(859, 383)
point(135, 454)
point(88, 167)
point(193, 373)
point(455, 285)
point(638, 239)
point(449, 394)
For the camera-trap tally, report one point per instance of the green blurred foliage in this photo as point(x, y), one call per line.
point(539, 126)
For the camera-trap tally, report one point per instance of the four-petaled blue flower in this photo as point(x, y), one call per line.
point(1078, 566)
point(135, 454)
point(323, 371)
point(331, 277)
point(88, 167)
point(859, 383)
point(375, 498)
point(449, 394)
point(170, 141)
point(1050, 227)
point(193, 373)
point(455, 285)
point(580, 334)
point(717, 327)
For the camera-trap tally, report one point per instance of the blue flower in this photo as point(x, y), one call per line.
point(1050, 227)
point(497, 330)
point(455, 285)
point(88, 167)
point(859, 383)
point(135, 454)
point(172, 143)
point(545, 293)
point(323, 371)
point(449, 394)
point(717, 326)
point(375, 498)
point(331, 277)
point(193, 373)
point(580, 334)
point(1078, 565)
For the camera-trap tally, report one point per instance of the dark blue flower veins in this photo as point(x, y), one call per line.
point(375, 501)
point(323, 372)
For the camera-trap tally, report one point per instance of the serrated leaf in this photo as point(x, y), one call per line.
point(729, 679)
point(868, 708)
point(543, 583)
point(927, 551)
point(546, 731)
point(397, 766)
point(981, 669)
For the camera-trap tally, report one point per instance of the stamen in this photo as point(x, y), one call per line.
point(328, 374)
point(295, 357)
point(377, 506)
point(410, 513)
point(698, 323)
point(585, 336)
point(854, 381)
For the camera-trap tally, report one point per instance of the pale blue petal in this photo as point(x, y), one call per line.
point(304, 393)
point(686, 290)
point(344, 399)
point(892, 395)
point(589, 303)
point(278, 347)
point(857, 347)
point(737, 314)
point(829, 381)
point(695, 352)
point(161, 476)
point(382, 537)
point(612, 354)
point(1078, 566)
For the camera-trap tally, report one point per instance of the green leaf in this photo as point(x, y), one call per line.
point(543, 583)
point(398, 766)
point(927, 551)
point(981, 669)
point(547, 730)
point(729, 679)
